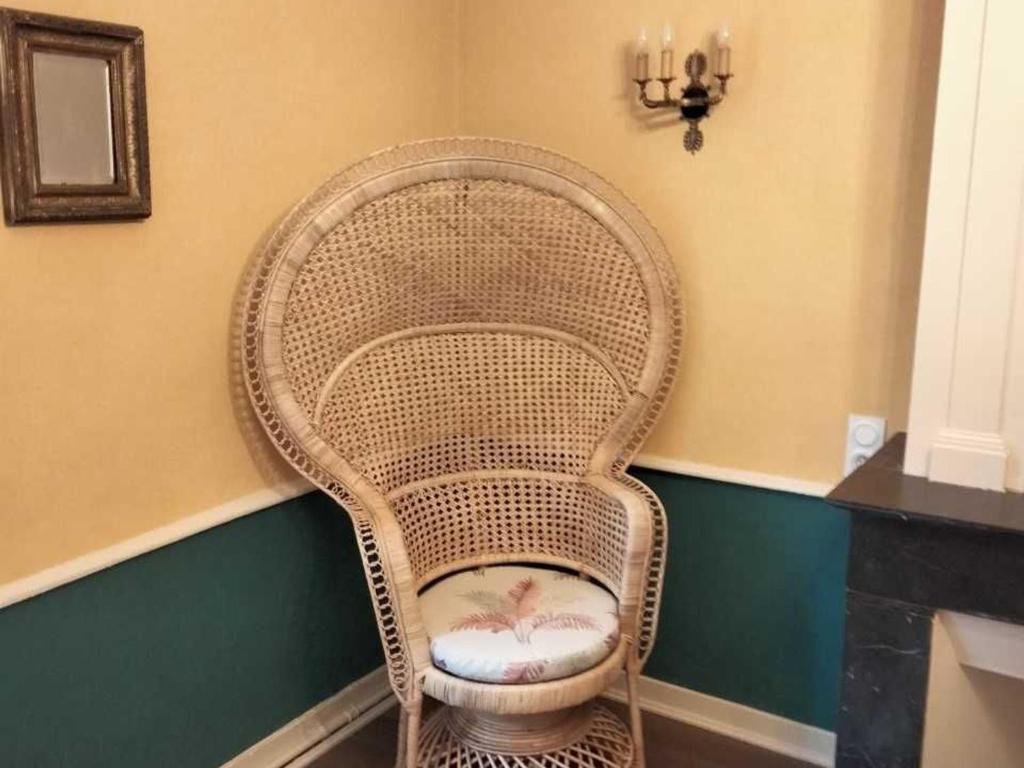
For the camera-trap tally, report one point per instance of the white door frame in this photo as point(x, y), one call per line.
point(965, 421)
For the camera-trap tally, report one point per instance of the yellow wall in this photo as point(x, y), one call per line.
point(797, 230)
point(114, 377)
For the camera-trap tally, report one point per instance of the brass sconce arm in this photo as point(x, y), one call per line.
point(665, 101)
point(695, 100)
point(717, 97)
point(710, 100)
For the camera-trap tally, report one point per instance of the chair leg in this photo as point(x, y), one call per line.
point(403, 727)
point(635, 721)
point(411, 715)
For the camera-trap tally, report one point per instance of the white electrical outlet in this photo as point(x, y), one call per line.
point(864, 436)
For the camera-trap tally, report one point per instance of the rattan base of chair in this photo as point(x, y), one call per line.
point(587, 736)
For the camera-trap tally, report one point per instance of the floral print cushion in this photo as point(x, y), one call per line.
point(518, 624)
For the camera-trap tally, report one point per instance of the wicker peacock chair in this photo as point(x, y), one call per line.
point(464, 342)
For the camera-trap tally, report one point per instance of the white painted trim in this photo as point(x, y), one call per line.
point(963, 457)
point(79, 567)
point(739, 722)
point(72, 570)
point(945, 229)
point(319, 729)
point(963, 402)
point(325, 746)
point(995, 646)
point(733, 475)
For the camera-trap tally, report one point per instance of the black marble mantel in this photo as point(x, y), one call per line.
point(915, 547)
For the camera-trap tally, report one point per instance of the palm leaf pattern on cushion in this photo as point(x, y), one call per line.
point(563, 621)
point(491, 602)
point(495, 622)
point(523, 671)
point(611, 640)
point(525, 595)
point(516, 611)
point(530, 604)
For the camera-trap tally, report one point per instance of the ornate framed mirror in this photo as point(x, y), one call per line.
point(73, 119)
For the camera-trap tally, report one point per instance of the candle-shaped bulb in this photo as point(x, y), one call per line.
point(643, 56)
point(722, 63)
point(642, 45)
point(666, 51)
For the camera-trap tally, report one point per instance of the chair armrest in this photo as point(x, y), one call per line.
point(393, 593)
point(655, 569)
point(636, 553)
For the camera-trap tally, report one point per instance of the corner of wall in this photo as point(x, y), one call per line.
point(459, 64)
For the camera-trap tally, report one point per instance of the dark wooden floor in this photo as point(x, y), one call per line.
point(670, 744)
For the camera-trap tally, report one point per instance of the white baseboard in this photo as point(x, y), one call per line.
point(316, 731)
point(79, 567)
point(322, 728)
point(752, 726)
point(974, 459)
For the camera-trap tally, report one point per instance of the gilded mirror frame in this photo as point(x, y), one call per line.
point(26, 198)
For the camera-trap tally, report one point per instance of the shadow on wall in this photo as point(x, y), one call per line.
point(902, 136)
point(272, 467)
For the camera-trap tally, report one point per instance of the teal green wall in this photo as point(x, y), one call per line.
point(753, 604)
point(188, 655)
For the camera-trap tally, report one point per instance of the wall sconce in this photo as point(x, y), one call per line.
point(696, 99)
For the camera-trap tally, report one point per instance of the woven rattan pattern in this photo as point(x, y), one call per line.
point(656, 569)
point(462, 250)
point(446, 524)
point(551, 276)
point(605, 744)
point(425, 405)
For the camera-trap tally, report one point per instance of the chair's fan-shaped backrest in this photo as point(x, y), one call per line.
point(455, 306)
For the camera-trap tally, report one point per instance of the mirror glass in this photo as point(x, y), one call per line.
point(73, 118)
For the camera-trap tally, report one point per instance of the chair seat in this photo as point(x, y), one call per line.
point(518, 624)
